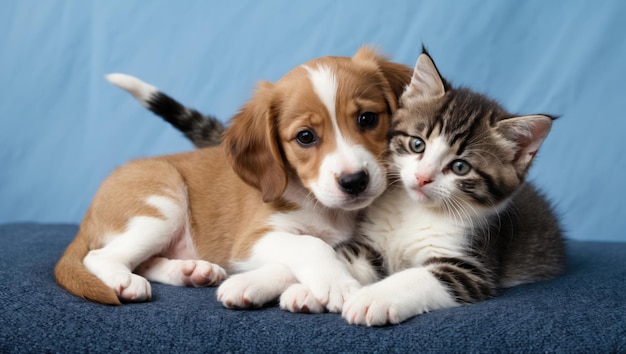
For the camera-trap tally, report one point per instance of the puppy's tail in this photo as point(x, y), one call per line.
point(202, 130)
point(72, 275)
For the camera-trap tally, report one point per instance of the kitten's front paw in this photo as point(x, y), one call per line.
point(369, 307)
point(332, 294)
point(244, 291)
point(299, 298)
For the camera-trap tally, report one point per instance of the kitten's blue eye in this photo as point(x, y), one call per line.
point(460, 167)
point(417, 145)
point(306, 138)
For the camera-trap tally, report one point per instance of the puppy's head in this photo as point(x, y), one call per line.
point(324, 126)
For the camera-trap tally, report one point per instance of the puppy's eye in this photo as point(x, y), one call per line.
point(367, 120)
point(306, 138)
point(417, 145)
point(460, 167)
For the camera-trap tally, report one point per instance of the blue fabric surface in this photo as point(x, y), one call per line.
point(63, 128)
point(582, 311)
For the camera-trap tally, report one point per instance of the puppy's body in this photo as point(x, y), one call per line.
point(195, 209)
point(297, 164)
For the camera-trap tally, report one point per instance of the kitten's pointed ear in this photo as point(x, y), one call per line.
point(527, 133)
point(426, 82)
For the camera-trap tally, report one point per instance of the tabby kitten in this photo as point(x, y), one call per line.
point(458, 221)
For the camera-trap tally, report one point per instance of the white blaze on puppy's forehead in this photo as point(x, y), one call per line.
point(325, 86)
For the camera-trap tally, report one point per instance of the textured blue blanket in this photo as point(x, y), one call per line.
point(582, 311)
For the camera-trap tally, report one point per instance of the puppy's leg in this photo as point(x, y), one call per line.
point(300, 298)
point(144, 237)
point(181, 272)
point(255, 288)
point(312, 262)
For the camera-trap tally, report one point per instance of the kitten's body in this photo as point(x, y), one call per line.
point(407, 235)
point(437, 239)
point(431, 261)
point(458, 222)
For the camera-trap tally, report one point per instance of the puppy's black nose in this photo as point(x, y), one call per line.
point(354, 183)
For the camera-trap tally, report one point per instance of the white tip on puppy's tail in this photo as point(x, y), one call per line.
point(201, 130)
point(142, 91)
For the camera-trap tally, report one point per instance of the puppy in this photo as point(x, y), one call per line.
point(296, 165)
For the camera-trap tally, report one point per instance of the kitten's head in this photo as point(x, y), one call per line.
point(457, 150)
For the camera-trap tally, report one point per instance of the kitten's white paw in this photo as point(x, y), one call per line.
point(396, 298)
point(370, 307)
point(201, 273)
point(332, 293)
point(129, 287)
point(299, 298)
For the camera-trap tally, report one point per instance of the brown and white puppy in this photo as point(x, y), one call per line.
point(296, 165)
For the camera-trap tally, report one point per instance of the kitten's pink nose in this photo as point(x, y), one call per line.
point(422, 180)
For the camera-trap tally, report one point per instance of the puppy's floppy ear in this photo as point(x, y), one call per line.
point(252, 144)
point(396, 76)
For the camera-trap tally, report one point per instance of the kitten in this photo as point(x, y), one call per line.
point(458, 221)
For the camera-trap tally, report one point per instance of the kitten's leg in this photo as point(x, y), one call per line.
point(311, 261)
point(396, 298)
point(255, 288)
point(362, 260)
point(440, 283)
point(181, 272)
point(358, 257)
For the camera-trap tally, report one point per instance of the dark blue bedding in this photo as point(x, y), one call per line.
point(581, 311)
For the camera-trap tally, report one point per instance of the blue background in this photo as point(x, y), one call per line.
point(63, 128)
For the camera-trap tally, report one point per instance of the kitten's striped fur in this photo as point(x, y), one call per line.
point(462, 236)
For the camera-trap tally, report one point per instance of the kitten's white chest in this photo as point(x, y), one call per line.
point(407, 234)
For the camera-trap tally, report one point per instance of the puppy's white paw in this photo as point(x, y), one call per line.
point(370, 307)
point(243, 291)
point(299, 298)
point(201, 273)
point(129, 287)
point(181, 272)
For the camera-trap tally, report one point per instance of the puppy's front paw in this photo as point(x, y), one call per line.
point(245, 291)
point(370, 307)
point(201, 273)
point(299, 298)
point(130, 287)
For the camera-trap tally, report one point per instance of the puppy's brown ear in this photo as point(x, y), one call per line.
point(396, 76)
point(252, 145)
